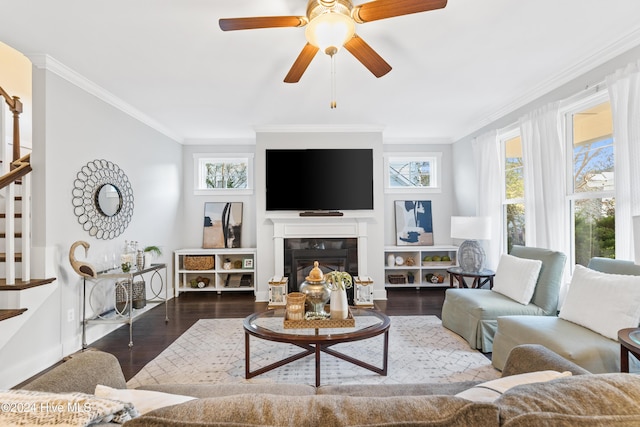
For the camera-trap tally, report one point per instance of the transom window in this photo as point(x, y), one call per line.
point(226, 173)
point(412, 172)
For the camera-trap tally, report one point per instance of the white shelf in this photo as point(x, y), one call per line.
point(412, 262)
point(218, 275)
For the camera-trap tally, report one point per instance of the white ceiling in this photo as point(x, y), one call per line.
point(454, 69)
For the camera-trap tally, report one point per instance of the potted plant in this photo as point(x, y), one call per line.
point(410, 277)
point(338, 282)
point(150, 252)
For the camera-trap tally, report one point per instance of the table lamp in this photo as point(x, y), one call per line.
point(471, 256)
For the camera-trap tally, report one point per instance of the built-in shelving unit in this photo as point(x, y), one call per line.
point(224, 270)
point(418, 266)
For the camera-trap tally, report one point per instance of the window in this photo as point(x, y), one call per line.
point(223, 173)
point(513, 190)
point(591, 180)
point(413, 172)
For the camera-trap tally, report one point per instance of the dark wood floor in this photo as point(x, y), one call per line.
point(151, 334)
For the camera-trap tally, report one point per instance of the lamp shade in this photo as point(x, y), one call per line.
point(471, 227)
point(636, 239)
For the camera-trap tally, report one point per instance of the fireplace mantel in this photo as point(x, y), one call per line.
point(291, 226)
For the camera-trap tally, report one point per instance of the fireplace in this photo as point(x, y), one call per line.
point(331, 254)
point(319, 234)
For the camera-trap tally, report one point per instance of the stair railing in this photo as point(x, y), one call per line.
point(19, 170)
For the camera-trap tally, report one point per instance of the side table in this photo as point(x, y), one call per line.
point(628, 345)
point(480, 278)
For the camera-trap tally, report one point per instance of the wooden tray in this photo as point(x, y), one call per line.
point(349, 322)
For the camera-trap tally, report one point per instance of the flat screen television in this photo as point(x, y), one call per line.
point(319, 179)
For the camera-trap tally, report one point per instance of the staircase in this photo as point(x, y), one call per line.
point(15, 225)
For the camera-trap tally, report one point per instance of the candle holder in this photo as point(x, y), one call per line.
point(295, 305)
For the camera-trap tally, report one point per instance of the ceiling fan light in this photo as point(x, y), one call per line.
point(330, 31)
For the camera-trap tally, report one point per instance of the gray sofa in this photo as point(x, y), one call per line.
point(561, 402)
point(586, 348)
point(473, 313)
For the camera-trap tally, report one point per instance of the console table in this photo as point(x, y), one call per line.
point(157, 277)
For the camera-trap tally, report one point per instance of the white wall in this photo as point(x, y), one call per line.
point(464, 173)
point(318, 139)
point(71, 128)
point(258, 229)
point(441, 202)
point(194, 205)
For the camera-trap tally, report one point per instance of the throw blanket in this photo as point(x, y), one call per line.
point(34, 408)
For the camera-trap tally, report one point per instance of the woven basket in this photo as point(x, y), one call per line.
point(139, 295)
point(397, 279)
point(198, 262)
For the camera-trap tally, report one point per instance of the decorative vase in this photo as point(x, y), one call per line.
point(140, 260)
point(316, 291)
point(391, 260)
point(339, 306)
point(148, 258)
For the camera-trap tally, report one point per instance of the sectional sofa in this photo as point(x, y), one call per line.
point(580, 399)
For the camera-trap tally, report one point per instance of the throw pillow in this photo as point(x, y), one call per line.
point(602, 302)
point(516, 278)
point(143, 400)
point(491, 390)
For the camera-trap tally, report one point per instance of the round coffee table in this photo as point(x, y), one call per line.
point(269, 325)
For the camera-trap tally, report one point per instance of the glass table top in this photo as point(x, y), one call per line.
point(272, 321)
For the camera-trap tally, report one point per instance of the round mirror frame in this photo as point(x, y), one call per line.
point(91, 178)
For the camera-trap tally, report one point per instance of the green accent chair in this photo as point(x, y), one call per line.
point(473, 313)
point(584, 347)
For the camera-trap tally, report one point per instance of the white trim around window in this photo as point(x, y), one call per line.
point(199, 173)
point(434, 161)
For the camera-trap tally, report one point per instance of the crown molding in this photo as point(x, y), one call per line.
point(418, 140)
point(46, 62)
point(219, 141)
point(586, 64)
point(317, 128)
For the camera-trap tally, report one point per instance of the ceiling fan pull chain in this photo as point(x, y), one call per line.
point(333, 82)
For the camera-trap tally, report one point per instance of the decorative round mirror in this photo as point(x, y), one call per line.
point(109, 200)
point(103, 199)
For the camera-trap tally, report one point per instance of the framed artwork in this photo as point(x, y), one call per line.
point(414, 224)
point(222, 225)
point(247, 263)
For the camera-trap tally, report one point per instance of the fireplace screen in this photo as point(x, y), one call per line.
point(331, 254)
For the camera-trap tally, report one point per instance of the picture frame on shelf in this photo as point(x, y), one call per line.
point(247, 263)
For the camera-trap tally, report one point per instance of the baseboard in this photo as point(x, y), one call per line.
point(16, 373)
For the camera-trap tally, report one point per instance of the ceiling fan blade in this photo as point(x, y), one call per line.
point(367, 56)
point(231, 24)
point(381, 9)
point(302, 62)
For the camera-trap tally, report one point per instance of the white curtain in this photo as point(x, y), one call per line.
point(624, 93)
point(489, 184)
point(544, 179)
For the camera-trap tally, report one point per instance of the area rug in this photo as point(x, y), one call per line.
point(420, 350)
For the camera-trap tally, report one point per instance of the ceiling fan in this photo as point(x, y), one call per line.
point(331, 25)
